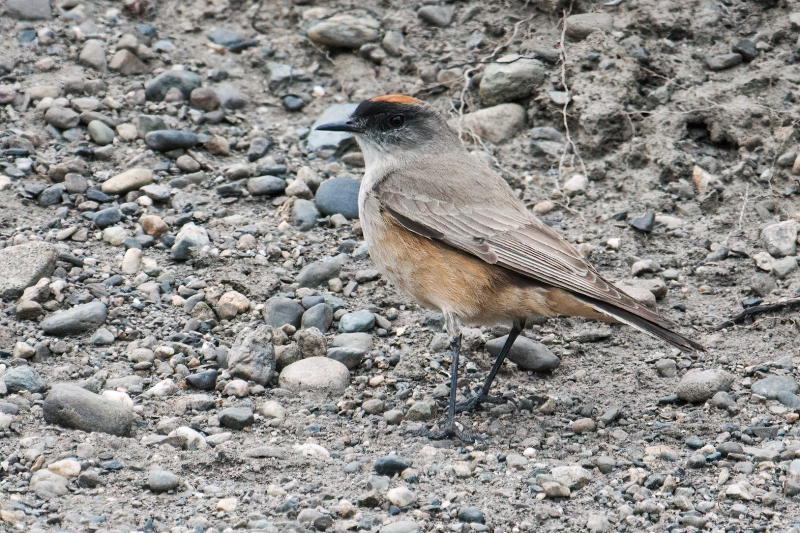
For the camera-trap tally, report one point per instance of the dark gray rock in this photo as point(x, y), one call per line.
point(258, 147)
point(236, 417)
point(156, 88)
point(318, 140)
point(747, 49)
point(62, 118)
point(267, 186)
point(279, 311)
point(81, 318)
point(29, 9)
point(205, 380)
point(230, 96)
point(304, 214)
point(23, 378)
point(23, 265)
point(470, 515)
point(107, 217)
point(71, 406)
point(166, 140)
point(645, 222)
point(771, 386)
point(318, 316)
point(436, 15)
point(356, 321)
point(52, 195)
point(526, 353)
point(338, 195)
point(252, 356)
point(349, 357)
point(224, 37)
point(391, 465)
point(790, 400)
point(147, 123)
point(318, 273)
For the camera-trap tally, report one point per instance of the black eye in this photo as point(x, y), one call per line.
point(397, 121)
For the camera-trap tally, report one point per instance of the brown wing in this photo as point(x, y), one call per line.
point(514, 239)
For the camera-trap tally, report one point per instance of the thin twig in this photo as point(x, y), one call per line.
point(757, 310)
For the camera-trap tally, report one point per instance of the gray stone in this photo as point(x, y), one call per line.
point(107, 217)
point(780, 239)
point(581, 26)
point(723, 61)
point(23, 378)
point(127, 181)
point(526, 353)
point(391, 465)
point(162, 481)
point(771, 386)
point(571, 476)
point(230, 96)
point(147, 123)
point(236, 417)
point(126, 63)
point(318, 374)
point(318, 140)
point(52, 195)
point(666, 368)
point(784, 266)
point(509, 79)
point(189, 239)
point(23, 265)
point(205, 380)
point(436, 15)
point(790, 400)
point(496, 124)
point(361, 341)
point(224, 37)
point(349, 357)
point(279, 311)
point(62, 118)
point(156, 88)
point(356, 321)
point(100, 133)
point(470, 515)
point(266, 186)
point(404, 526)
point(74, 407)
point(102, 337)
point(311, 342)
point(345, 31)
point(338, 195)
point(47, 484)
point(252, 356)
point(258, 147)
point(319, 316)
point(700, 385)
point(29, 9)
point(93, 55)
point(422, 410)
point(318, 273)
point(166, 140)
point(304, 214)
point(81, 318)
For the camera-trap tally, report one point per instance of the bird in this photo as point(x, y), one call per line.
point(446, 229)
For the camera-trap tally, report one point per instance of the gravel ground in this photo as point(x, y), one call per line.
point(193, 336)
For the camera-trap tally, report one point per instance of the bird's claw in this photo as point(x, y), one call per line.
point(477, 399)
point(449, 431)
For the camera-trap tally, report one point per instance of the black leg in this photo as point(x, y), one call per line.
point(483, 394)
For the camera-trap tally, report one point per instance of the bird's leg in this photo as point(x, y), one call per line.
point(450, 430)
point(483, 394)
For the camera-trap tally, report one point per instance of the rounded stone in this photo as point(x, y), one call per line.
point(81, 318)
point(204, 99)
point(127, 181)
point(526, 353)
point(357, 321)
point(771, 386)
point(166, 140)
point(338, 195)
point(700, 385)
point(162, 481)
point(318, 374)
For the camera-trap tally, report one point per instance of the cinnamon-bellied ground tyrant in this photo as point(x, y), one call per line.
point(450, 232)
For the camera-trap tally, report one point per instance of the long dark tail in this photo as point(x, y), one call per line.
point(642, 323)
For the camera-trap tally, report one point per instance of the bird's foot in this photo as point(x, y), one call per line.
point(477, 399)
point(448, 432)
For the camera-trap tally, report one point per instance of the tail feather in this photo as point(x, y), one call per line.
point(643, 324)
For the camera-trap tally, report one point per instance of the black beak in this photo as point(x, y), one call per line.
point(340, 126)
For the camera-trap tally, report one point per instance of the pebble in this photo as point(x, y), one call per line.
point(572, 476)
point(52, 195)
point(107, 217)
point(74, 407)
point(780, 239)
point(102, 337)
point(311, 342)
point(100, 133)
point(69, 468)
point(47, 484)
point(318, 273)
point(583, 425)
point(154, 226)
point(127, 63)
point(401, 497)
point(236, 417)
point(391, 465)
point(29, 9)
point(252, 357)
point(224, 37)
point(319, 316)
point(645, 223)
point(345, 31)
point(436, 15)
point(723, 61)
point(279, 311)
point(304, 214)
point(471, 515)
point(495, 124)
point(23, 378)
point(318, 374)
point(404, 526)
point(156, 89)
point(356, 321)
point(580, 26)
point(62, 118)
point(23, 265)
point(338, 195)
point(205, 380)
point(230, 97)
point(526, 353)
point(127, 181)
point(81, 318)
point(93, 55)
point(188, 240)
point(319, 140)
point(700, 385)
point(166, 140)
point(162, 481)
point(422, 410)
point(771, 386)
point(509, 79)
